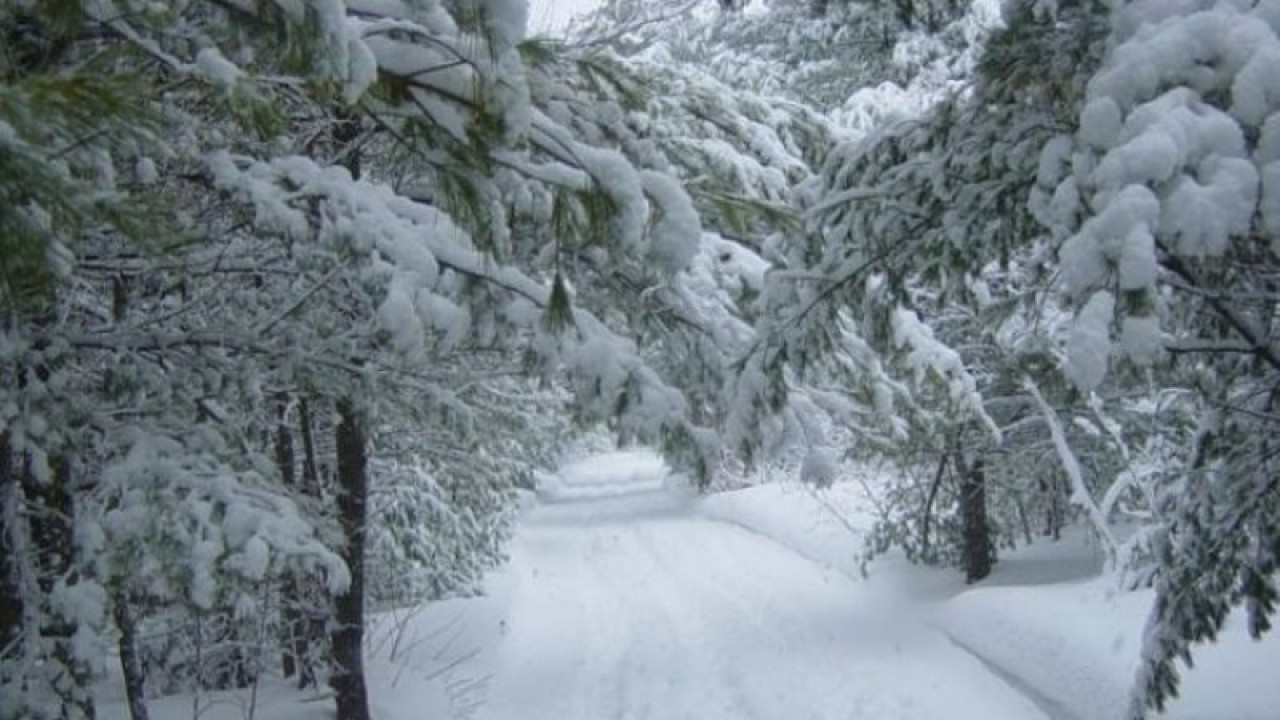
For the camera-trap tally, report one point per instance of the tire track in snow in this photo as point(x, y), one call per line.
point(659, 546)
point(688, 616)
point(608, 646)
point(661, 614)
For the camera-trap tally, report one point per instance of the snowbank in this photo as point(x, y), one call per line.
point(1043, 620)
point(1078, 644)
point(431, 661)
point(823, 526)
point(622, 472)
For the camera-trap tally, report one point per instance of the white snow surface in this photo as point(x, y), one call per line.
point(1046, 621)
point(627, 597)
point(638, 606)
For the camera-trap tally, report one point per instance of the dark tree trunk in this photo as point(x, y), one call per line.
point(345, 132)
point(10, 583)
point(1054, 512)
point(131, 661)
point(309, 634)
point(926, 513)
point(348, 637)
point(292, 590)
point(51, 528)
point(50, 521)
point(310, 468)
point(238, 672)
point(10, 567)
point(978, 552)
point(284, 444)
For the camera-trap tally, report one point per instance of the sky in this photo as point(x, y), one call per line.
point(547, 16)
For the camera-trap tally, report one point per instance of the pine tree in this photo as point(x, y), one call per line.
point(1168, 247)
point(170, 341)
point(911, 285)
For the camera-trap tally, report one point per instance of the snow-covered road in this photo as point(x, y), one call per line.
point(635, 606)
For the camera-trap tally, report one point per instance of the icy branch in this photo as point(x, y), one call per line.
point(1079, 491)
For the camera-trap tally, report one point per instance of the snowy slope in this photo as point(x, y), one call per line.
point(427, 662)
point(1079, 643)
point(1043, 619)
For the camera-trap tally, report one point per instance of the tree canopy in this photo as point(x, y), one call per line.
point(297, 293)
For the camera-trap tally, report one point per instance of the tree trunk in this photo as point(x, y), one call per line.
point(130, 660)
point(51, 527)
point(310, 468)
point(348, 637)
point(926, 514)
point(284, 444)
point(311, 630)
point(10, 582)
point(291, 601)
point(978, 553)
point(1054, 513)
point(236, 673)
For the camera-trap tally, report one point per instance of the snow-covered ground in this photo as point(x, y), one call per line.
point(628, 598)
point(427, 662)
point(619, 473)
point(1044, 620)
point(636, 605)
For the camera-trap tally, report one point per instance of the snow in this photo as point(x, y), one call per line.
point(1045, 620)
point(505, 19)
point(1100, 122)
point(429, 661)
point(1104, 240)
point(1270, 205)
point(812, 524)
point(626, 597)
point(145, 170)
point(737, 265)
point(398, 315)
point(1141, 339)
point(675, 235)
point(1089, 347)
point(1079, 494)
point(1136, 264)
point(215, 68)
point(819, 468)
point(637, 606)
point(618, 180)
point(926, 354)
point(608, 474)
point(1078, 644)
point(1205, 212)
point(362, 65)
point(551, 17)
point(1174, 150)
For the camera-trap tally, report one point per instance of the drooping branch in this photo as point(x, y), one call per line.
point(1246, 327)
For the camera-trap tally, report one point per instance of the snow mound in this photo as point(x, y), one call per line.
point(623, 472)
point(1078, 645)
point(825, 527)
point(432, 660)
point(1044, 621)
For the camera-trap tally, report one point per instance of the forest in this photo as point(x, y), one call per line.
point(299, 299)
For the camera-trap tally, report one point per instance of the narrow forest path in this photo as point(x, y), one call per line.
point(635, 607)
